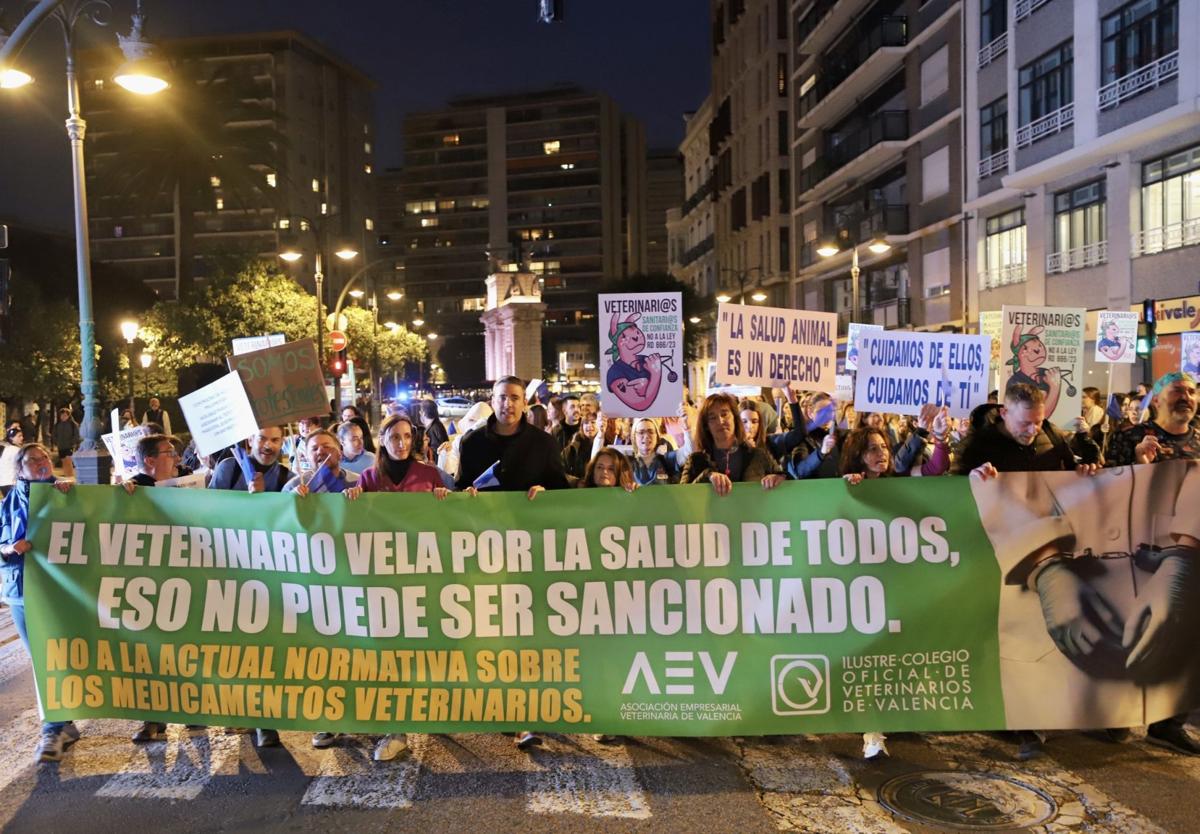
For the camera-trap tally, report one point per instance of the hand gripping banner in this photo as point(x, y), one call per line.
point(1038, 600)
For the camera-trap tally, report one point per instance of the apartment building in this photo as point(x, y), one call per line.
point(749, 140)
point(554, 180)
point(876, 147)
point(664, 191)
point(318, 180)
point(1083, 155)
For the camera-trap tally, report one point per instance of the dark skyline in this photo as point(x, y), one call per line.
point(652, 58)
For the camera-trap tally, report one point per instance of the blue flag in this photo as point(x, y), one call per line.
point(1145, 406)
point(822, 417)
point(323, 480)
point(245, 462)
point(1114, 408)
point(489, 478)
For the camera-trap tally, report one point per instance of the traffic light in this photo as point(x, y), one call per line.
point(1147, 336)
point(337, 364)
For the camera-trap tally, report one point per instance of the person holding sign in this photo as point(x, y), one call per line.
point(34, 466)
point(327, 473)
point(259, 471)
point(722, 455)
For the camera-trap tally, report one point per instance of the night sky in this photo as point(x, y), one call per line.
point(651, 56)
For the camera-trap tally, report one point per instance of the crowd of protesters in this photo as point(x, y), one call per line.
point(531, 442)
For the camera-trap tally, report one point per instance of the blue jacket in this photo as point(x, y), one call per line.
point(228, 475)
point(14, 519)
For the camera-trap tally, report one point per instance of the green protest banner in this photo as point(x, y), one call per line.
point(816, 607)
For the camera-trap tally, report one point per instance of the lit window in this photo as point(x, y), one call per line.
point(366, 169)
point(369, 224)
point(99, 82)
point(271, 179)
point(324, 208)
point(366, 129)
point(285, 223)
point(316, 184)
point(567, 166)
point(471, 305)
point(304, 225)
point(366, 147)
point(220, 204)
point(428, 222)
point(480, 202)
point(413, 207)
point(451, 139)
point(446, 205)
point(215, 182)
point(118, 231)
point(551, 147)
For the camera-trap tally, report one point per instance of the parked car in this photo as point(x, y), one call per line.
point(454, 407)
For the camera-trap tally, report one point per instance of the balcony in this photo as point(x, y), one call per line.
point(1082, 257)
point(872, 57)
point(701, 194)
point(1024, 8)
point(702, 248)
point(993, 50)
point(1137, 82)
point(883, 136)
point(1174, 236)
point(823, 23)
point(883, 219)
point(993, 164)
point(1047, 125)
point(990, 279)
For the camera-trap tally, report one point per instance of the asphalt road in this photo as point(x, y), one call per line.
point(218, 781)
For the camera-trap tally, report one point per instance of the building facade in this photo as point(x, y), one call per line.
point(317, 180)
point(1083, 154)
point(551, 180)
point(664, 191)
point(749, 140)
point(876, 149)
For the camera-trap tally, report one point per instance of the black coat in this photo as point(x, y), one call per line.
point(1050, 450)
point(528, 458)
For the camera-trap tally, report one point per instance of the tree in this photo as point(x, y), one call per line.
point(211, 132)
point(693, 305)
point(255, 301)
point(396, 346)
point(41, 356)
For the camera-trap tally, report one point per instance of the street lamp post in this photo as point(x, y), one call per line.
point(291, 255)
point(129, 329)
point(743, 277)
point(91, 460)
point(877, 246)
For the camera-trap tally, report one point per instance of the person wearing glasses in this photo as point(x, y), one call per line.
point(158, 460)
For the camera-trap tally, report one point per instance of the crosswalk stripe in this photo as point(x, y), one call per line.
point(349, 778)
point(1080, 805)
point(587, 778)
point(178, 769)
point(804, 788)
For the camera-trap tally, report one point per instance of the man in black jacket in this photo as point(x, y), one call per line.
point(1017, 437)
point(508, 454)
point(524, 458)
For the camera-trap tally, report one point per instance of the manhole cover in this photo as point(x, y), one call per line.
point(967, 801)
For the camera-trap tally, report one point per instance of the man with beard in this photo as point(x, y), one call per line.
point(1170, 435)
point(270, 475)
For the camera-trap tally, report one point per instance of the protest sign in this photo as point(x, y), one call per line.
point(248, 344)
point(774, 346)
point(843, 390)
point(284, 383)
point(990, 324)
point(641, 352)
point(122, 445)
point(853, 331)
point(1043, 347)
point(1189, 344)
point(899, 371)
point(219, 414)
point(1116, 336)
point(815, 607)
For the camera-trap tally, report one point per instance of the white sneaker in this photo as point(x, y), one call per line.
point(323, 740)
point(874, 746)
point(390, 746)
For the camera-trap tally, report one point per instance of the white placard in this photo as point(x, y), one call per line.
point(774, 346)
point(641, 354)
point(1043, 347)
point(249, 344)
point(899, 371)
point(853, 331)
point(1189, 349)
point(843, 391)
point(1116, 336)
point(125, 460)
point(219, 414)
